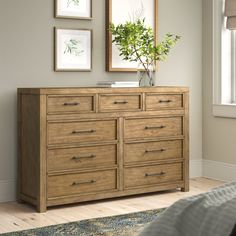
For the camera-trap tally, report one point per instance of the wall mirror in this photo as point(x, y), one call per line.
point(120, 11)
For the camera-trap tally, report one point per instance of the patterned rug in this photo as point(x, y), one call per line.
point(121, 225)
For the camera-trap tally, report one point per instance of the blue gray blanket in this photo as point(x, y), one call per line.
point(209, 214)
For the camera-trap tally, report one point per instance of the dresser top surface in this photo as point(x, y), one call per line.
point(86, 90)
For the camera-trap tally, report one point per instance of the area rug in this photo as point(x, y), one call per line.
point(121, 225)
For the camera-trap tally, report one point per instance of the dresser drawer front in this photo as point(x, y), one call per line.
point(83, 157)
point(82, 183)
point(153, 127)
point(159, 101)
point(70, 104)
point(153, 151)
point(83, 131)
point(152, 175)
point(130, 102)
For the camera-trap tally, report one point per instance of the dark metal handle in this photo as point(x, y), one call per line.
point(78, 158)
point(71, 104)
point(155, 174)
point(83, 131)
point(155, 127)
point(156, 150)
point(85, 182)
point(120, 102)
point(165, 101)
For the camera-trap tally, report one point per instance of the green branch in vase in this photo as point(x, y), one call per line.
point(137, 43)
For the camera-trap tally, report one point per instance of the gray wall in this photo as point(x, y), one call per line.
point(219, 134)
point(26, 60)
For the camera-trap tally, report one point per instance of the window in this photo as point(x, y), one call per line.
point(227, 65)
point(224, 64)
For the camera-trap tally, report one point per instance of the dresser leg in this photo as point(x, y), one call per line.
point(41, 209)
point(185, 189)
point(20, 201)
point(41, 205)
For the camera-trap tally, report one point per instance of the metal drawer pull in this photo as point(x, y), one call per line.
point(155, 127)
point(85, 182)
point(71, 104)
point(120, 102)
point(83, 157)
point(165, 101)
point(83, 131)
point(155, 174)
point(156, 150)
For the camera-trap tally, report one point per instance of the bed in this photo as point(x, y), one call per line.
point(209, 214)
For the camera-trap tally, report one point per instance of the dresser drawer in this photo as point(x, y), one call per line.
point(153, 151)
point(152, 175)
point(153, 127)
point(82, 183)
point(159, 101)
point(83, 157)
point(83, 131)
point(70, 104)
point(131, 102)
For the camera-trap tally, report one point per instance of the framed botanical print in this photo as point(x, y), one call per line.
point(73, 49)
point(118, 12)
point(75, 9)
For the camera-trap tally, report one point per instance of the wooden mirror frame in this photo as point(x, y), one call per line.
point(109, 65)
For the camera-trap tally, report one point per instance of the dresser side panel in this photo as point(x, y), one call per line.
point(30, 145)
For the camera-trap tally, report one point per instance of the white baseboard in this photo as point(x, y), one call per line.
point(213, 170)
point(219, 170)
point(195, 168)
point(7, 190)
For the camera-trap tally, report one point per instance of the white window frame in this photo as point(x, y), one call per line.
point(224, 95)
point(233, 69)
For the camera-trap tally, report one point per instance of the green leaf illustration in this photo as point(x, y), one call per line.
point(72, 47)
point(75, 2)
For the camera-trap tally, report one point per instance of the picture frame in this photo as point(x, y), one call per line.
point(114, 62)
point(73, 9)
point(73, 49)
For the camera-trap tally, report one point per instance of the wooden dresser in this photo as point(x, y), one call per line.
point(82, 144)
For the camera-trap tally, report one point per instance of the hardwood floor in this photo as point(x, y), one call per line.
point(14, 216)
